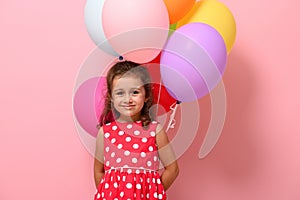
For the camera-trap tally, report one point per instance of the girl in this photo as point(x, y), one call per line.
point(130, 145)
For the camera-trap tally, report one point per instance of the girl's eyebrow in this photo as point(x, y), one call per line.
point(118, 89)
point(134, 88)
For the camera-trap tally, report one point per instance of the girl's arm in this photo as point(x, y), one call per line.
point(167, 157)
point(98, 160)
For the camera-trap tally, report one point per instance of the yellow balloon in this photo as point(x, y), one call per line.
point(215, 14)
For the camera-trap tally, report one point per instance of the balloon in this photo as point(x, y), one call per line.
point(161, 95)
point(137, 30)
point(193, 61)
point(178, 8)
point(100, 96)
point(84, 106)
point(215, 14)
point(162, 98)
point(172, 28)
point(93, 23)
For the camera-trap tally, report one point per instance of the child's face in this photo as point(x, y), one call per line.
point(128, 97)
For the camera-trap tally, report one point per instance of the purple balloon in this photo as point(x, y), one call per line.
point(193, 61)
point(87, 100)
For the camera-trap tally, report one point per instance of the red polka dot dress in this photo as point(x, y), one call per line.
point(131, 163)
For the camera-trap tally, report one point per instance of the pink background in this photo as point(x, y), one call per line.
point(43, 44)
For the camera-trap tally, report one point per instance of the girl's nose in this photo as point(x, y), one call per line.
point(128, 98)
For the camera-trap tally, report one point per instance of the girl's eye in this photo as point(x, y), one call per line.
point(136, 92)
point(119, 93)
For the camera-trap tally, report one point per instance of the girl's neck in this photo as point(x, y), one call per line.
point(126, 119)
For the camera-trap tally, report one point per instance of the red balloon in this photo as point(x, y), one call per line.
point(162, 98)
point(160, 93)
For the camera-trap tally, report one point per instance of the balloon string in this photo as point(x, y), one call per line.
point(172, 120)
point(158, 97)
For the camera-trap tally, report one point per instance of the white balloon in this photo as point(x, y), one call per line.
point(93, 23)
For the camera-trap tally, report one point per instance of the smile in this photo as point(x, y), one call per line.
point(128, 106)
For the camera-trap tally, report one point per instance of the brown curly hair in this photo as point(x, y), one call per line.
point(109, 113)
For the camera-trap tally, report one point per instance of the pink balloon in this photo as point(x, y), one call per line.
point(87, 105)
point(100, 96)
point(137, 30)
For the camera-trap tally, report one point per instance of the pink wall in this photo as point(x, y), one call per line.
point(42, 46)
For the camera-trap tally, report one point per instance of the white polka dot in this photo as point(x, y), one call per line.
point(135, 146)
point(106, 135)
point(118, 160)
point(116, 199)
point(116, 185)
point(137, 171)
point(121, 133)
point(152, 133)
point(154, 122)
point(102, 194)
point(136, 132)
point(121, 194)
point(119, 177)
point(129, 126)
point(150, 148)
point(153, 180)
point(134, 160)
point(124, 178)
point(148, 180)
point(149, 163)
point(147, 195)
point(143, 154)
point(129, 185)
point(126, 153)
point(114, 128)
point(158, 181)
point(98, 195)
point(106, 185)
point(144, 140)
point(108, 124)
point(129, 171)
point(113, 154)
point(128, 139)
point(160, 196)
point(107, 149)
point(113, 140)
point(155, 195)
point(138, 186)
point(155, 158)
point(120, 146)
point(107, 163)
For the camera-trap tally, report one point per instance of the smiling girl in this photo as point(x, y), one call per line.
point(130, 145)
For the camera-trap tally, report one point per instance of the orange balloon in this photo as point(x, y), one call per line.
point(177, 9)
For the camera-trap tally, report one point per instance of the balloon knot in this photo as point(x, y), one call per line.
point(121, 58)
